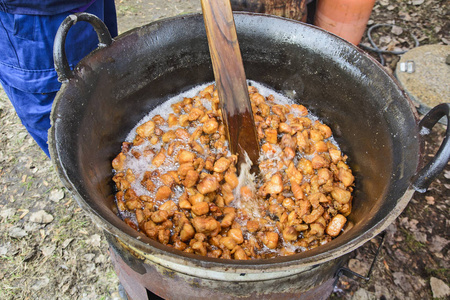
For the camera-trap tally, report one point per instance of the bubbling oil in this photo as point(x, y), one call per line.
point(277, 211)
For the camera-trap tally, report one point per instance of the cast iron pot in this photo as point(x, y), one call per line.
point(116, 85)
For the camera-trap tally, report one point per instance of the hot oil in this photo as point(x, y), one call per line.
point(144, 163)
point(248, 209)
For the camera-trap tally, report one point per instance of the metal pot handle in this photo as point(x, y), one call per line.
point(59, 53)
point(427, 174)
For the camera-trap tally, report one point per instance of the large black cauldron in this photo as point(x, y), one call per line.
point(111, 89)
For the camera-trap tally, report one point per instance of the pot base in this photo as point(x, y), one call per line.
point(142, 279)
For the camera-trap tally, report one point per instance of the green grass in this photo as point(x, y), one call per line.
point(48, 190)
point(111, 274)
point(439, 272)
point(431, 35)
point(411, 243)
point(28, 183)
point(13, 219)
point(8, 258)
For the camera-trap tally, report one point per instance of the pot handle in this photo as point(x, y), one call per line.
point(59, 53)
point(427, 174)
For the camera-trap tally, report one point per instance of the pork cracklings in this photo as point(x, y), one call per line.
point(177, 183)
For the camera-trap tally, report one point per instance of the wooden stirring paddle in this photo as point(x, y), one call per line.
point(230, 79)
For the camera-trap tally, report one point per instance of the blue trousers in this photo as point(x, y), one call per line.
point(27, 72)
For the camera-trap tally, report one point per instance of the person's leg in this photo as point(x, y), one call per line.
point(110, 17)
point(33, 110)
point(26, 64)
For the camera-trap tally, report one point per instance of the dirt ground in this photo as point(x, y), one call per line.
point(49, 248)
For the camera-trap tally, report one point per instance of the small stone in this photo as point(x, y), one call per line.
point(438, 243)
point(56, 195)
point(3, 250)
point(419, 283)
point(405, 16)
point(41, 217)
point(447, 173)
point(90, 267)
point(401, 280)
point(7, 213)
point(363, 294)
point(430, 200)
point(101, 259)
point(31, 227)
point(94, 240)
point(417, 2)
point(413, 224)
point(66, 243)
point(397, 30)
point(385, 39)
point(409, 224)
point(89, 256)
point(390, 7)
point(47, 251)
point(439, 288)
point(17, 232)
point(390, 233)
point(382, 291)
point(420, 237)
point(402, 256)
point(40, 283)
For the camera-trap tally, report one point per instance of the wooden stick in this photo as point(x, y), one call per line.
point(230, 79)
